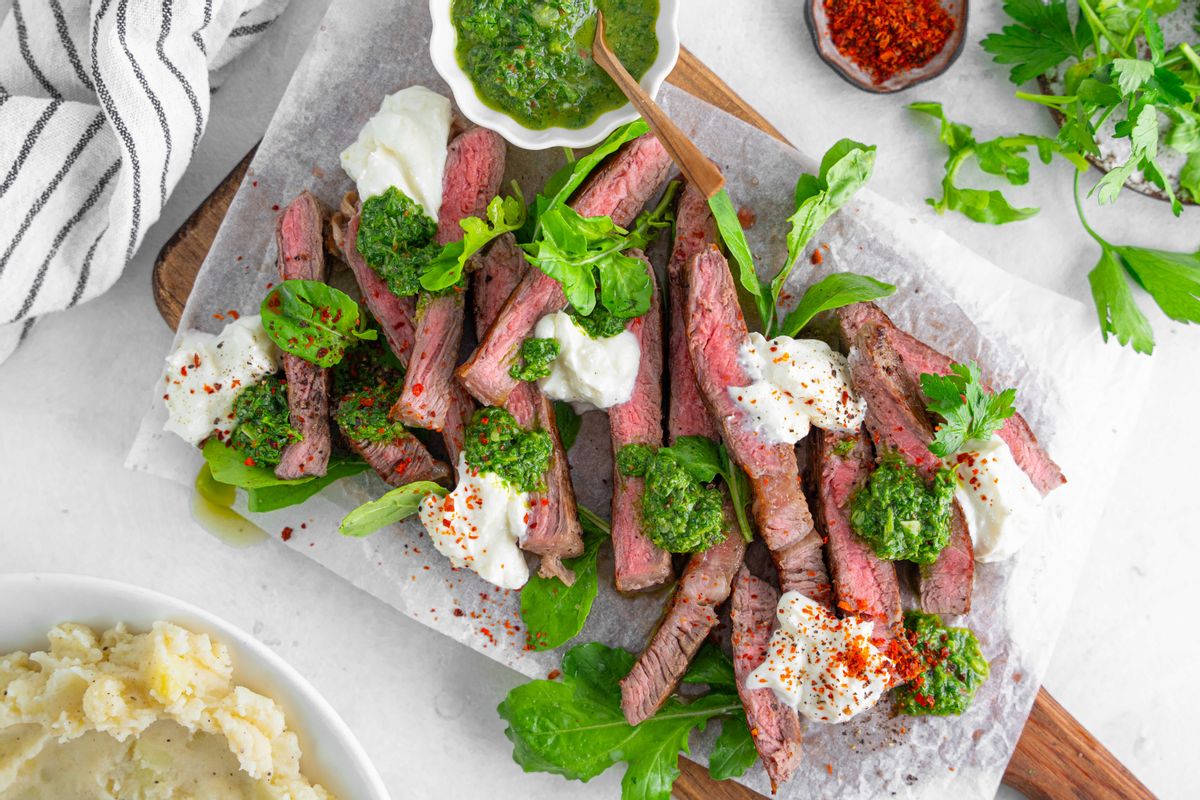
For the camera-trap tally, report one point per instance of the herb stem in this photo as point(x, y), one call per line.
point(592, 518)
point(1099, 29)
point(1082, 219)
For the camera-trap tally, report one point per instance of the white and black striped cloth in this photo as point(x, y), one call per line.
point(102, 103)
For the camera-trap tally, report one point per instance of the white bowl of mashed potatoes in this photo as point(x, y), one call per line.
point(111, 691)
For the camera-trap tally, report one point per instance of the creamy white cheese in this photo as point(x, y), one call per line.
point(824, 667)
point(796, 383)
point(590, 373)
point(403, 145)
point(205, 373)
point(1001, 504)
point(478, 525)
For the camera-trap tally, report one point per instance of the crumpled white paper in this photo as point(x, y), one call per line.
point(1025, 336)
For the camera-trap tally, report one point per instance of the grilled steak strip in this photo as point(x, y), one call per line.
point(474, 168)
point(619, 190)
point(918, 357)
point(695, 231)
point(553, 530)
point(402, 461)
point(716, 330)
point(638, 562)
point(299, 238)
point(775, 726)
point(897, 422)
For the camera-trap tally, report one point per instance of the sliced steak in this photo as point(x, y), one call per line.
point(619, 190)
point(402, 461)
point(474, 169)
point(396, 315)
point(690, 617)
point(918, 357)
point(774, 726)
point(299, 237)
point(552, 530)
point(716, 330)
point(695, 232)
point(898, 423)
point(638, 562)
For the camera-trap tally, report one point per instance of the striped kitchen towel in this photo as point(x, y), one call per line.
point(102, 103)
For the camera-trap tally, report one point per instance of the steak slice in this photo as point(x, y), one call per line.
point(695, 232)
point(619, 190)
point(299, 237)
point(774, 726)
point(402, 461)
point(690, 617)
point(552, 530)
point(396, 315)
point(918, 357)
point(474, 169)
point(898, 423)
point(638, 562)
point(716, 330)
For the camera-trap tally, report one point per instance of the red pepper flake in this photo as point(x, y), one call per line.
point(746, 218)
point(286, 533)
point(817, 257)
point(418, 388)
point(458, 612)
point(553, 675)
point(886, 37)
point(275, 207)
point(233, 313)
point(249, 462)
point(219, 316)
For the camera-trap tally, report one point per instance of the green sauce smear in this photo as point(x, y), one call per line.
point(496, 443)
point(532, 59)
point(679, 514)
point(262, 425)
point(600, 324)
point(953, 668)
point(536, 357)
point(900, 516)
point(395, 238)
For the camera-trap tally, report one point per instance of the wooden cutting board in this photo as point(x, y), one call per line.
point(1055, 758)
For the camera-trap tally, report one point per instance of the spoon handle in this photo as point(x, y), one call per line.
point(695, 166)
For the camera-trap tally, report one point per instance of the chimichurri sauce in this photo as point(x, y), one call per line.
point(532, 59)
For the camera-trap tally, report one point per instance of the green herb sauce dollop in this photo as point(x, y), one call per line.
point(496, 443)
point(363, 415)
point(536, 357)
point(902, 517)
point(396, 239)
point(600, 324)
point(531, 59)
point(679, 514)
point(953, 668)
point(262, 425)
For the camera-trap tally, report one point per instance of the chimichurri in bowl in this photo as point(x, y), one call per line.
point(524, 67)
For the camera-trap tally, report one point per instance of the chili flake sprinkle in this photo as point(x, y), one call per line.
point(886, 37)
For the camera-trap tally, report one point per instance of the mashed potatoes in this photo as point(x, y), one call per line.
point(152, 716)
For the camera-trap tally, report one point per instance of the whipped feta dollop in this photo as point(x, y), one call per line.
point(204, 374)
point(824, 667)
point(588, 373)
point(478, 525)
point(1001, 504)
point(403, 145)
point(796, 383)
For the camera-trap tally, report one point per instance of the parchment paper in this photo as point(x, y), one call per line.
point(1025, 336)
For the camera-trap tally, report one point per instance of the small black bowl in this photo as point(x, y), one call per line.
point(818, 26)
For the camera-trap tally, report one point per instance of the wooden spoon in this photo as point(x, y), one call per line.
point(695, 166)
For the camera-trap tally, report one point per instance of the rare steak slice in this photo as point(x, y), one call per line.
point(716, 331)
point(400, 461)
point(299, 237)
point(898, 423)
point(618, 190)
point(474, 169)
point(638, 562)
point(396, 315)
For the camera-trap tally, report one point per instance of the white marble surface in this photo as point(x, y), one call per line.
point(73, 394)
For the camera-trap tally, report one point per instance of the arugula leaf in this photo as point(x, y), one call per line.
point(312, 320)
point(711, 667)
point(555, 613)
point(833, 291)
point(969, 412)
point(399, 503)
point(264, 491)
point(734, 751)
point(568, 423)
point(575, 728)
point(734, 238)
point(1041, 40)
point(564, 183)
point(504, 215)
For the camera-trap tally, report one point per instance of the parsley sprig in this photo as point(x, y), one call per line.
point(968, 410)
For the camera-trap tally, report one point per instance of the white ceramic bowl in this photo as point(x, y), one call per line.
point(34, 603)
point(441, 49)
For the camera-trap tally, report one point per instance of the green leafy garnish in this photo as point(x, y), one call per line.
point(900, 516)
point(313, 320)
point(553, 612)
point(969, 412)
point(504, 215)
point(1040, 41)
point(845, 168)
point(262, 426)
point(733, 753)
point(952, 668)
point(398, 504)
point(495, 443)
point(575, 728)
point(712, 668)
point(264, 491)
point(568, 423)
point(535, 359)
